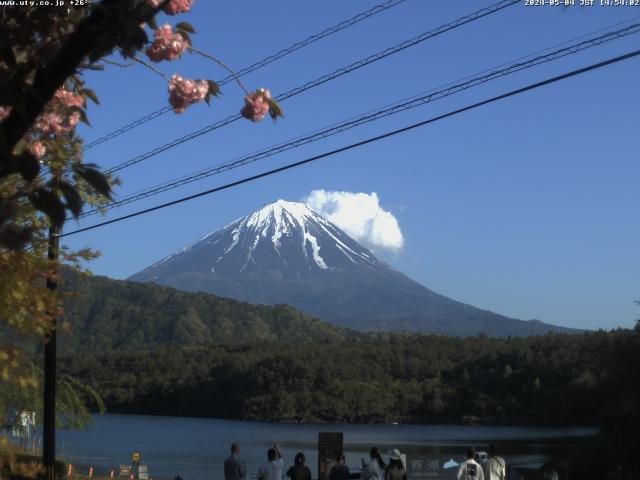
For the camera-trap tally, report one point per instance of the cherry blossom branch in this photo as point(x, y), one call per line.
point(93, 37)
point(151, 67)
point(222, 64)
point(117, 64)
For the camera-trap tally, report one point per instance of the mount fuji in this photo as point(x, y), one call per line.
point(287, 253)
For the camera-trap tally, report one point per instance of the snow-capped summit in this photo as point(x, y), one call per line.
point(287, 253)
point(283, 238)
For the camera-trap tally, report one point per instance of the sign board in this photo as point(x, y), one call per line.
point(330, 444)
point(143, 473)
point(431, 467)
point(135, 458)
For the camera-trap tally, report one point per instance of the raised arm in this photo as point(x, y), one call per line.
point(276, 447)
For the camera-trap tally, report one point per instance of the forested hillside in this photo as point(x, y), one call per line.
point(105, 314)
point(155, 350)
point(551, 379)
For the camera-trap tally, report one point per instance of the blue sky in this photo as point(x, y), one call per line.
point(527, 207)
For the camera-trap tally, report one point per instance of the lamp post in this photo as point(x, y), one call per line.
point(49, 409)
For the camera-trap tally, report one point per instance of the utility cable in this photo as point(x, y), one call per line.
point(407, 104)
point(367, 141)
point(257, 65)
point(325, 78)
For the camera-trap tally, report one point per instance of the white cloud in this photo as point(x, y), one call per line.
point(360, 216)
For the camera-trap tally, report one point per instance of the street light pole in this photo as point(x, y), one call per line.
point(49, 409)
point(49, 420)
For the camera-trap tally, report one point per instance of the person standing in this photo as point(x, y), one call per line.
point(396, 469)
point(496, 466)
point(272, 470)
point(470, 469)
point(234, 469)
point(299, 471)
point(374, 470)
point(340, 471)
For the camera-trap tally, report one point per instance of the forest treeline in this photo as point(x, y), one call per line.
point(590, 379)
point(104, 314)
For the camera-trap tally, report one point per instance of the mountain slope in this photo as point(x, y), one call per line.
point(106, 314)
point(287, 253)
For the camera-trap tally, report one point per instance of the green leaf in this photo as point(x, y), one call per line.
point(83, 117)
point(186, 36)
point(72, 197)
point(274, 109)
point(83, 114)
point(214, 88)
point(48, 202)
point(95, 178)
point(90, 94)
point(186, 27)
point(77, 80)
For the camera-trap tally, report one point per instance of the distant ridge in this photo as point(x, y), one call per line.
point(287, 253)
point(106, 315)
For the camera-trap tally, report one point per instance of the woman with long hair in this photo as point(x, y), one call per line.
point(396, 469)
point(374, 470)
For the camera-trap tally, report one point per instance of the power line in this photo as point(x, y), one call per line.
point(326, 78)
point(257, 65)
point(376, 138)
point(407, 104)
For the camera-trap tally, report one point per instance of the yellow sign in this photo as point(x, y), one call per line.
point(135, 458)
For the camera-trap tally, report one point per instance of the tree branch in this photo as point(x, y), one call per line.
point(100, 32)
point(223, 65)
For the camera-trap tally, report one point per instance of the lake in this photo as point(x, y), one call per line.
point(195, 448)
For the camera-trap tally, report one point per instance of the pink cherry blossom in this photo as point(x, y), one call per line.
point(49, 123)
point(55, 123)
point(177, 6)
point(72, 121)
point(166, 44)
point(65, 98)
point(173, 7)
point(37, 149)
point(184, 92)
point(256, 105)
point(4, 112)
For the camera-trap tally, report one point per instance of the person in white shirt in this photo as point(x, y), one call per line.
point(375, 469)
point(496, 466)
point(272, 470)
point(470, 469)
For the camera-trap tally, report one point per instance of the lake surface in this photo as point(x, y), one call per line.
point(195, 448)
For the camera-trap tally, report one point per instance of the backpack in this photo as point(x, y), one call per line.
point(471, 471)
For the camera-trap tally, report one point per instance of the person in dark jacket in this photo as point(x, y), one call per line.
point(339, 471)
point(299, 471)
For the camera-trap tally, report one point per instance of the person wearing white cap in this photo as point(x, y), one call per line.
point(396, 469)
